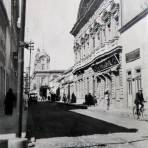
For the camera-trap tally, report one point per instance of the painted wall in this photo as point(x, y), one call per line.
point(133, 38)
point(130, 8)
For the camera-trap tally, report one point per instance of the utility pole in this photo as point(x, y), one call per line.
point(31, 47)
point(21, 68)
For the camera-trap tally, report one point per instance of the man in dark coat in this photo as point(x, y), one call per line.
point(73, 98)
point(139, 100)
point(9, 102)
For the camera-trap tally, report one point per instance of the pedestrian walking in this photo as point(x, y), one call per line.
point(25, 97)
point(139, 100)
point(107, 98)
point(64, 98)
point(95, 100)
point(9, 102)
point(86, 99)
point(73, 98)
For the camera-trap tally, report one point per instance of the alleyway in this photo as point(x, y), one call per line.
point(55, 125)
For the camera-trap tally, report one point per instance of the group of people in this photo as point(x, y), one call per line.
point(90, 100)
point(10, 100)
point(66, 99)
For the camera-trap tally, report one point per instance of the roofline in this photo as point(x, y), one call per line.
point(50, 71)
point(89, 13)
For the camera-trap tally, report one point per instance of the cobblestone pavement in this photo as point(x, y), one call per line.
point(137, 139)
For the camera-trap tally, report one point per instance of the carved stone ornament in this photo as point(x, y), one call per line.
point(91, 31)
point(96, 27)
point(86, 37)
point(76, 46)
point(114, 8)
point(82, 40)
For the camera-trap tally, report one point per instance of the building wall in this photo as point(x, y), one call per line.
point(96, 42)
point(130, 8)
point(8, 44)
point(135, 38)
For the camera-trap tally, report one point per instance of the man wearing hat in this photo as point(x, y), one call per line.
point(139, 100)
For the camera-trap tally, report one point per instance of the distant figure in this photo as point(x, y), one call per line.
point(86, 99)
point(48, 98)
point(9, 102)
point(90, 99)
point(107, 97)
point(95, 100)
point(25, 101)
point(68, 98)
point(64, 98)
point(73, 98)
point(139, 100)
point(53, 97)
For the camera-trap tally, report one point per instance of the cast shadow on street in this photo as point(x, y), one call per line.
point(46, 120)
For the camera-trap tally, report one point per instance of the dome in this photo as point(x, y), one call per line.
point(84, 5)
point(42, 54)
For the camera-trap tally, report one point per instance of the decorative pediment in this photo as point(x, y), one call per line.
point(96, 26)
point(114, 8)
point(106, 17)
point(115, 11)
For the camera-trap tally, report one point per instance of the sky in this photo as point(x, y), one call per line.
point(48, 25)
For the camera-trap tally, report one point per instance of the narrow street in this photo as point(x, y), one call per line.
point(56, 125)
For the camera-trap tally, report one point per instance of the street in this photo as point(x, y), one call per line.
point(56, 125)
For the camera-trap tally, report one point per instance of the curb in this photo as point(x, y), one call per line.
point(13, 143)
point(77, 106)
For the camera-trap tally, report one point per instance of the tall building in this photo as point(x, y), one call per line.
point(134, 34)
point(98, 54)
point(9, 13)
point(110, 46)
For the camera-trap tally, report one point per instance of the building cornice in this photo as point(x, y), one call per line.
point(134, 21)
point(116, 49)
point(51, 71)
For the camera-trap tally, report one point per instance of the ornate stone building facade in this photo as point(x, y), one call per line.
point(98, 54)
point(110, 49)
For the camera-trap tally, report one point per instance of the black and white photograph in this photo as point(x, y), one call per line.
point(73, 73)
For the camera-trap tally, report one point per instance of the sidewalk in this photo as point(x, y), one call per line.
point(121, 112)
point(8, 129)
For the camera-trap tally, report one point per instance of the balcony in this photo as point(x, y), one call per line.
point(100, 50)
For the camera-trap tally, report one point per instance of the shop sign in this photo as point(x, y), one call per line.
point(106, 64)
point(132, 56)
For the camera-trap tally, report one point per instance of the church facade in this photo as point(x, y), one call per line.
point(42, 74)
